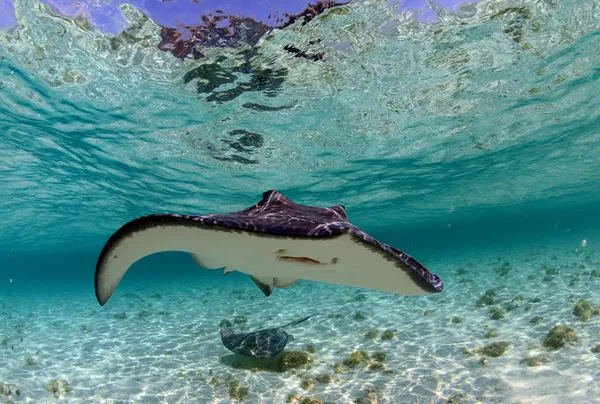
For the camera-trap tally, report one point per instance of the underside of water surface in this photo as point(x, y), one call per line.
point(465, 134)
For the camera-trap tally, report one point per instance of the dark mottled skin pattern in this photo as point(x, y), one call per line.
point(257, 344)
point(276, 214)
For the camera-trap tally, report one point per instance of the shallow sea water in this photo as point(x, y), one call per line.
point(471, 142)
point(158, 339)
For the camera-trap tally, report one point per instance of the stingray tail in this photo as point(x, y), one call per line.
point(297, 321)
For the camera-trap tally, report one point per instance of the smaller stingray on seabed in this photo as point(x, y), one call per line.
point(265, 343)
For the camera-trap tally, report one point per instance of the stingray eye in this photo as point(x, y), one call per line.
point(343, 207)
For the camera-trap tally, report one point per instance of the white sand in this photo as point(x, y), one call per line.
point(171, 356)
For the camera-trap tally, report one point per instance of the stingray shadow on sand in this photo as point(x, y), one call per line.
point(249, 363)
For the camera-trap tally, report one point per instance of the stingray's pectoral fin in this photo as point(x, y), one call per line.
point(146, 236)
point(202, 262)
point(284, 282)
point(225, 323)
point(264, 283)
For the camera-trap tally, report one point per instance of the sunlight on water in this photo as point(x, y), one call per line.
point(466, 134)
point(499, 102)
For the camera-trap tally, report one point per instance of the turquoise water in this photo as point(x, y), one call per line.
point(467, 143)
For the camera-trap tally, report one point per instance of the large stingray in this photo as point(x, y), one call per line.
point(257, 344)
point(276, 242)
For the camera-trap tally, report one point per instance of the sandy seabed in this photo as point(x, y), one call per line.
point(159, 342)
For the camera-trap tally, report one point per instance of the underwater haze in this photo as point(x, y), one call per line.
point(465, 134)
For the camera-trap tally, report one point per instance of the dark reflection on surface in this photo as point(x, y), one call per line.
point(246, 141)
point(211, 76)
point(265, 108)
point(221, 30)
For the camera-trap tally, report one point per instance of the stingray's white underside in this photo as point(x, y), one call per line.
point(343, 260)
